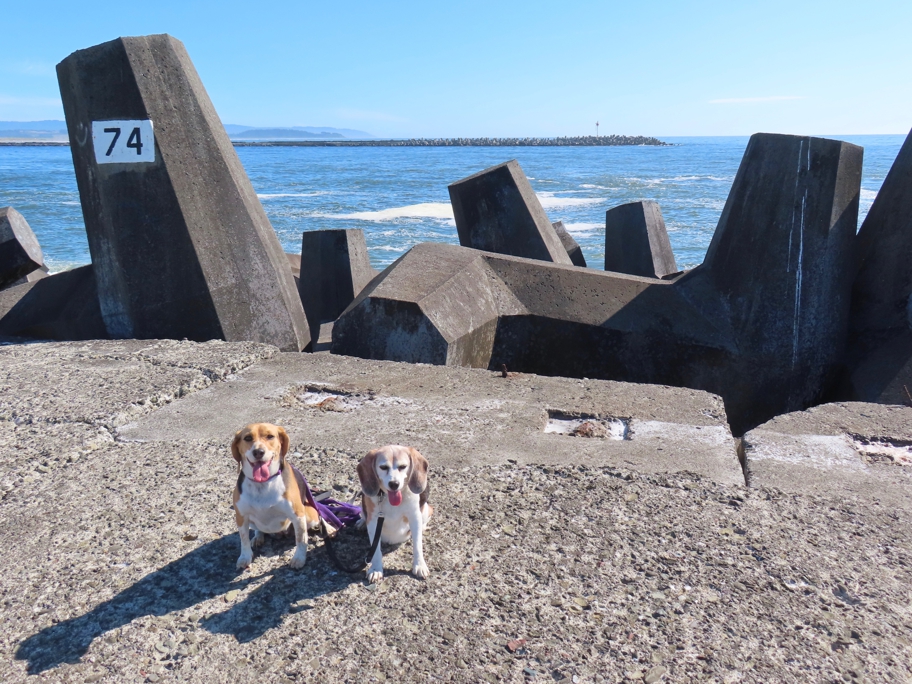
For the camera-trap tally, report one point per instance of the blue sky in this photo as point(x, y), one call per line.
point(501, 67)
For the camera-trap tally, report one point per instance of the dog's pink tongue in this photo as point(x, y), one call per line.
point(395, 497)
point(261, 472)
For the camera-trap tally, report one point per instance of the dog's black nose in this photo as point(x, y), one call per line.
point(258, 453)
point(394, 486)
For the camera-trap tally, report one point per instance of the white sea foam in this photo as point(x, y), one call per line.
point(434, 210)
point(549, 201)
point(289, 194)
point(444, 210)
point(678, 179)
point(868, 194)
point(583, 228)
point(590, 186)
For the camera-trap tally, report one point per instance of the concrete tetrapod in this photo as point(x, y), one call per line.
point(63, 306)
point(33, 276)
point(498, 211)
point(334, 268)
point(570, 245)
point(879, 353)
point(758, 323)
point(180, 243)
point(20, 253)
point(636, 241)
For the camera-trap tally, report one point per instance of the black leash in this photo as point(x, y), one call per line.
point(331, 538)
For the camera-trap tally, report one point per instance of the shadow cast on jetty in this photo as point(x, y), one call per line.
point(205, 573)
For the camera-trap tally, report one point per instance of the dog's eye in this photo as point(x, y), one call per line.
point(402, 467)
point(248, 438)
point(384, 468)
point(270, 436)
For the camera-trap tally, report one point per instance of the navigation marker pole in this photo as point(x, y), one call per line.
point(596, 129)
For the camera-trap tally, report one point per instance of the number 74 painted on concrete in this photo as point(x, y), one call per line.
point(123, 141)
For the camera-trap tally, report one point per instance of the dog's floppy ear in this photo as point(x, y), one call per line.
point(283, 440)
point(418, 477)
point(367, 474)
point(235, 449)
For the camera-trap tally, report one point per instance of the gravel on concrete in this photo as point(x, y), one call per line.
point(84, 381)
point(120, 568)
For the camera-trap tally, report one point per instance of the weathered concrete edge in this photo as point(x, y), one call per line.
point(208, 374)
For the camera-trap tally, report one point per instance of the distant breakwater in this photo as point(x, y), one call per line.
point(580, 141)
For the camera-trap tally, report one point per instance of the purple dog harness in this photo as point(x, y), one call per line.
point(339, 515)
point(336, 513)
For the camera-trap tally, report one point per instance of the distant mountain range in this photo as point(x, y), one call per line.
point(6, 126)
point(57, 130)
point(34, 130)
point(236, 131)
point(281, 134)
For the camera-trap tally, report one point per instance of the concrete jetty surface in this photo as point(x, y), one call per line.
point(635, 554)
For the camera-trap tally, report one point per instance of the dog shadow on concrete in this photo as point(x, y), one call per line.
point(203, 574)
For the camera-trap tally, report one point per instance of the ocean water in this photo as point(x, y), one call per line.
point(398, 196)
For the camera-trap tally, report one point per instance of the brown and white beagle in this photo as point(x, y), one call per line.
point(394, 481)
point(269, 495)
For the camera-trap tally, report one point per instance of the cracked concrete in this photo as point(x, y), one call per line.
point(463, 415)
point(84, 381)
point(553, 558)
point(853, 449)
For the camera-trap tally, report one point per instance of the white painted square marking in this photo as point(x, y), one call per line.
point(123, 142)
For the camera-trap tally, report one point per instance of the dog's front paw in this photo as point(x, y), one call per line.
point(298, 560)
point(244, 560)
point(374, 576)
point(420, 570)
point(258, 539)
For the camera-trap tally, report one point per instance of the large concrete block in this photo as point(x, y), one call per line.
point(496, 210)
point(570, 245)
point(33, 276)
point(334, 268)
point(851, 451)
point(879, 350)
point(758, 324)
point(180, 243)
point(436, 304)
point(780, 265)
point(636, 241)
point(465, 417)
point(20, 253)
point(450, 305)
point(294, 261)
point(63, 306)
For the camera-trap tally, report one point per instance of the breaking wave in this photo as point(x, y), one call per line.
point(549, 201)
point(583, 228)
point(434, 210)
point(274, 195)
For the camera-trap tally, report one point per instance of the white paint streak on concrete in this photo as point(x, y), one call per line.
point(796, 324)
point(712, 435)
point(825, 452)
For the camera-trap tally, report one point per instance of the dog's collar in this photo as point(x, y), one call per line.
point(277, 473)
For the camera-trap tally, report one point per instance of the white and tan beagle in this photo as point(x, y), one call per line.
point(269, 495)
point(394, 481)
